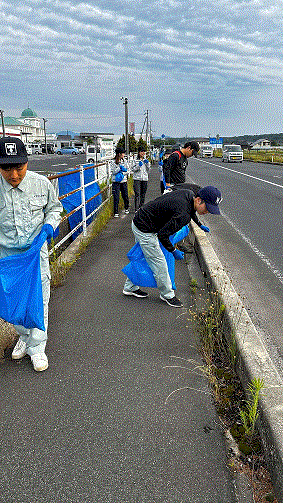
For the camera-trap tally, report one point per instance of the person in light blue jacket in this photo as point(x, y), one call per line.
point(141, 169)
point(28, 203)
point(119, 170)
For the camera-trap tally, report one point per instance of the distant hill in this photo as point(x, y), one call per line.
point(274, 138)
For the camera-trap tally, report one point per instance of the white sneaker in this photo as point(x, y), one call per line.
point(116, 215)
point(20, 350)
point(126, 212)
point(40, 362)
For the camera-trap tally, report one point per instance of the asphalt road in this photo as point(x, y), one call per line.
point(96, 426)
point(248, 238)
point(54, 163)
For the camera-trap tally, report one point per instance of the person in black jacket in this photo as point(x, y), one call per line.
point(175, 169)
point(157, 221)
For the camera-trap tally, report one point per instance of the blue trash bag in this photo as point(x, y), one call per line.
point(138, 270)
point(71, 182)
point(21, 301)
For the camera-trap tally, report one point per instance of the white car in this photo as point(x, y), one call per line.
point(28, 149)
point(232, 153)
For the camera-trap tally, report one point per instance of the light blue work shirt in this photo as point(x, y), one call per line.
point(23, 211)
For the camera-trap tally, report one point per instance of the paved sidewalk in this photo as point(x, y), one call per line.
point(94, 427)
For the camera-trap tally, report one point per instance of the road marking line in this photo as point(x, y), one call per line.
point(244, 174)
point(63, 164)
point(266, 260)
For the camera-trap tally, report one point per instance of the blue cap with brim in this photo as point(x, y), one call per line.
point(212, 197)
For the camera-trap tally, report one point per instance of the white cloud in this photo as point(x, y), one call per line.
point(82, 56)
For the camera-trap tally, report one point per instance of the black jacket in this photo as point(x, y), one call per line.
point(166, 215)
point(175, 169)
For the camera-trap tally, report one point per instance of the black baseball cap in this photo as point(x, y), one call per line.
point(12, 151)
point(212, 197)
point(119, 150)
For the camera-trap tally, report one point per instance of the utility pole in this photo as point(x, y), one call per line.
point(147, 134)
point(3, 125)
point(125, 102)
point(44, 127)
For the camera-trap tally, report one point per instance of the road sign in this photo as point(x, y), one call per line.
point(216, 141)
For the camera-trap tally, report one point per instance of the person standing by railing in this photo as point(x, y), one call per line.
point(28, 205)
point(141, 169)
point(119, 170)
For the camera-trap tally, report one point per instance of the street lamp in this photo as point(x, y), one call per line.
point(125, 102)
point(45, 140)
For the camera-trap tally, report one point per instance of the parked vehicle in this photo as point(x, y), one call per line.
point(28, 149)
point(67, 150)
point(80, 148)
point(50, 148)
point(232, 153)
point(206, 151)
point(92, 154)
point(36, 148)
point(104, 150)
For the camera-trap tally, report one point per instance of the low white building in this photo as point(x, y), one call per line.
point(261, 143)
point(28, 127)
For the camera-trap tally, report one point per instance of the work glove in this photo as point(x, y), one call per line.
point(145, 161)
point(160, 163)
point(167, 189)
point(178, 255)
point(140, 164)
point(122, 168)
point(204, 228)
point(48, 229)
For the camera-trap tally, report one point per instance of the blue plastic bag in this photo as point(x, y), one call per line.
point(71, 182)
point(119, 177)
point(21, 301)
point(138, 270)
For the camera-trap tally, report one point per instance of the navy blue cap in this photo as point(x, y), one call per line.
point(12, 151)
point(212, 197)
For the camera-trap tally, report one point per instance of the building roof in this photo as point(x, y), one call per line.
point(28, 112)
point(64, 137)
point(260, 140)
point(12, 121)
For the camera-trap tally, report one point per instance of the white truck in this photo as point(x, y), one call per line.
point(232, 153)
point(206, 151)
point(36, 148)
point(101, 151)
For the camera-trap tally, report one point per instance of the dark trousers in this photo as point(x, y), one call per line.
point(140, 188)
point(116, 187)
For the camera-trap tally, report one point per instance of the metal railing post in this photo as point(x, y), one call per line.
point(83, 199)
point(108, 178)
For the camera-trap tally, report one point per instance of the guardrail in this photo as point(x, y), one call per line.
point(102, 176)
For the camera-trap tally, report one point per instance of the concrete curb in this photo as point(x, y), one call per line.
point(255, 361)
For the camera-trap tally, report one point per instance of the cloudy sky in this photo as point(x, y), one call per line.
point(199, 67)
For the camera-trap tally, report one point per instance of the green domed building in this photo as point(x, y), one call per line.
point(32, 129)
point(28, 113)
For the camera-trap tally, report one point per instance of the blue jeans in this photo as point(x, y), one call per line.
point(154, 256)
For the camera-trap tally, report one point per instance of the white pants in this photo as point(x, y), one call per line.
point(154, 256)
